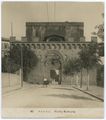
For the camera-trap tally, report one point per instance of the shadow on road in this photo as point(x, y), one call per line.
point(70, 96)
point(64, 89)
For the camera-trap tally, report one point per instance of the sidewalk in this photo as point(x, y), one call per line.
point(95, 91)
point(25, 86)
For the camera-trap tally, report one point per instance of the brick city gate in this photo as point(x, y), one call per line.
point(49, 52)
point(54, 43)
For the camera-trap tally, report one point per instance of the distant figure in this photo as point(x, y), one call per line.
point(57, 76)
point(45, 82)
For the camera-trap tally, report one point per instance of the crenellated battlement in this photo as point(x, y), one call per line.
point(53, 45)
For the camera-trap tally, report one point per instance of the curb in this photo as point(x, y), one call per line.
point(89, 94)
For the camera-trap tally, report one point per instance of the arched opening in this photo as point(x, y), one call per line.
point(53, 67)
point(54, 38)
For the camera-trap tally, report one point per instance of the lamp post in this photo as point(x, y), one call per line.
point(21, 66)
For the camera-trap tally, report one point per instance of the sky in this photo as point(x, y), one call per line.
point(18, 13)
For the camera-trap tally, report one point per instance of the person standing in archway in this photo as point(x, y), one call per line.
point(45, 82)
point(57, 75)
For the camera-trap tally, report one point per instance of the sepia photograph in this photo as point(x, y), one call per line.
point(52, 57)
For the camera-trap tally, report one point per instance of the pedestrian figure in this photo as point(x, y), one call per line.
point(45, 82)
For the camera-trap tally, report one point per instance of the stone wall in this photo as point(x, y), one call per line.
point(71, 31)
point(11, 81)
point(65, 51)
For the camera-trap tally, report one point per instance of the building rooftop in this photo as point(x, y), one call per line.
point(59, 23)
point(5, 39)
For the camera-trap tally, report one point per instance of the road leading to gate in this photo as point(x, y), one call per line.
point(50, 97)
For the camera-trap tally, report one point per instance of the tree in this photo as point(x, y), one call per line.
point(8, 65)
point(100, 30)
point(23, 55)
point(68, 67)
point(89, 58)
point(72, 67)
point(77, 68)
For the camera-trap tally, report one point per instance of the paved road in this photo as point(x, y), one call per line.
point(50, 97)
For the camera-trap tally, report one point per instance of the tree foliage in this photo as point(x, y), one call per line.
point(72, 66)
point(100, 30)
point(8, 65)
point(88, 56)
point(18, 58)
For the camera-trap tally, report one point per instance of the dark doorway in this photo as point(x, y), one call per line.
point(54, 67)
point(52, 74)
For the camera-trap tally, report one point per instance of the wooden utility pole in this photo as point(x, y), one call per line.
point(21, 66)
point(11, 29)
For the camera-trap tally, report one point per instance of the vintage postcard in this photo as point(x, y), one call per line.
point(52, 59)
